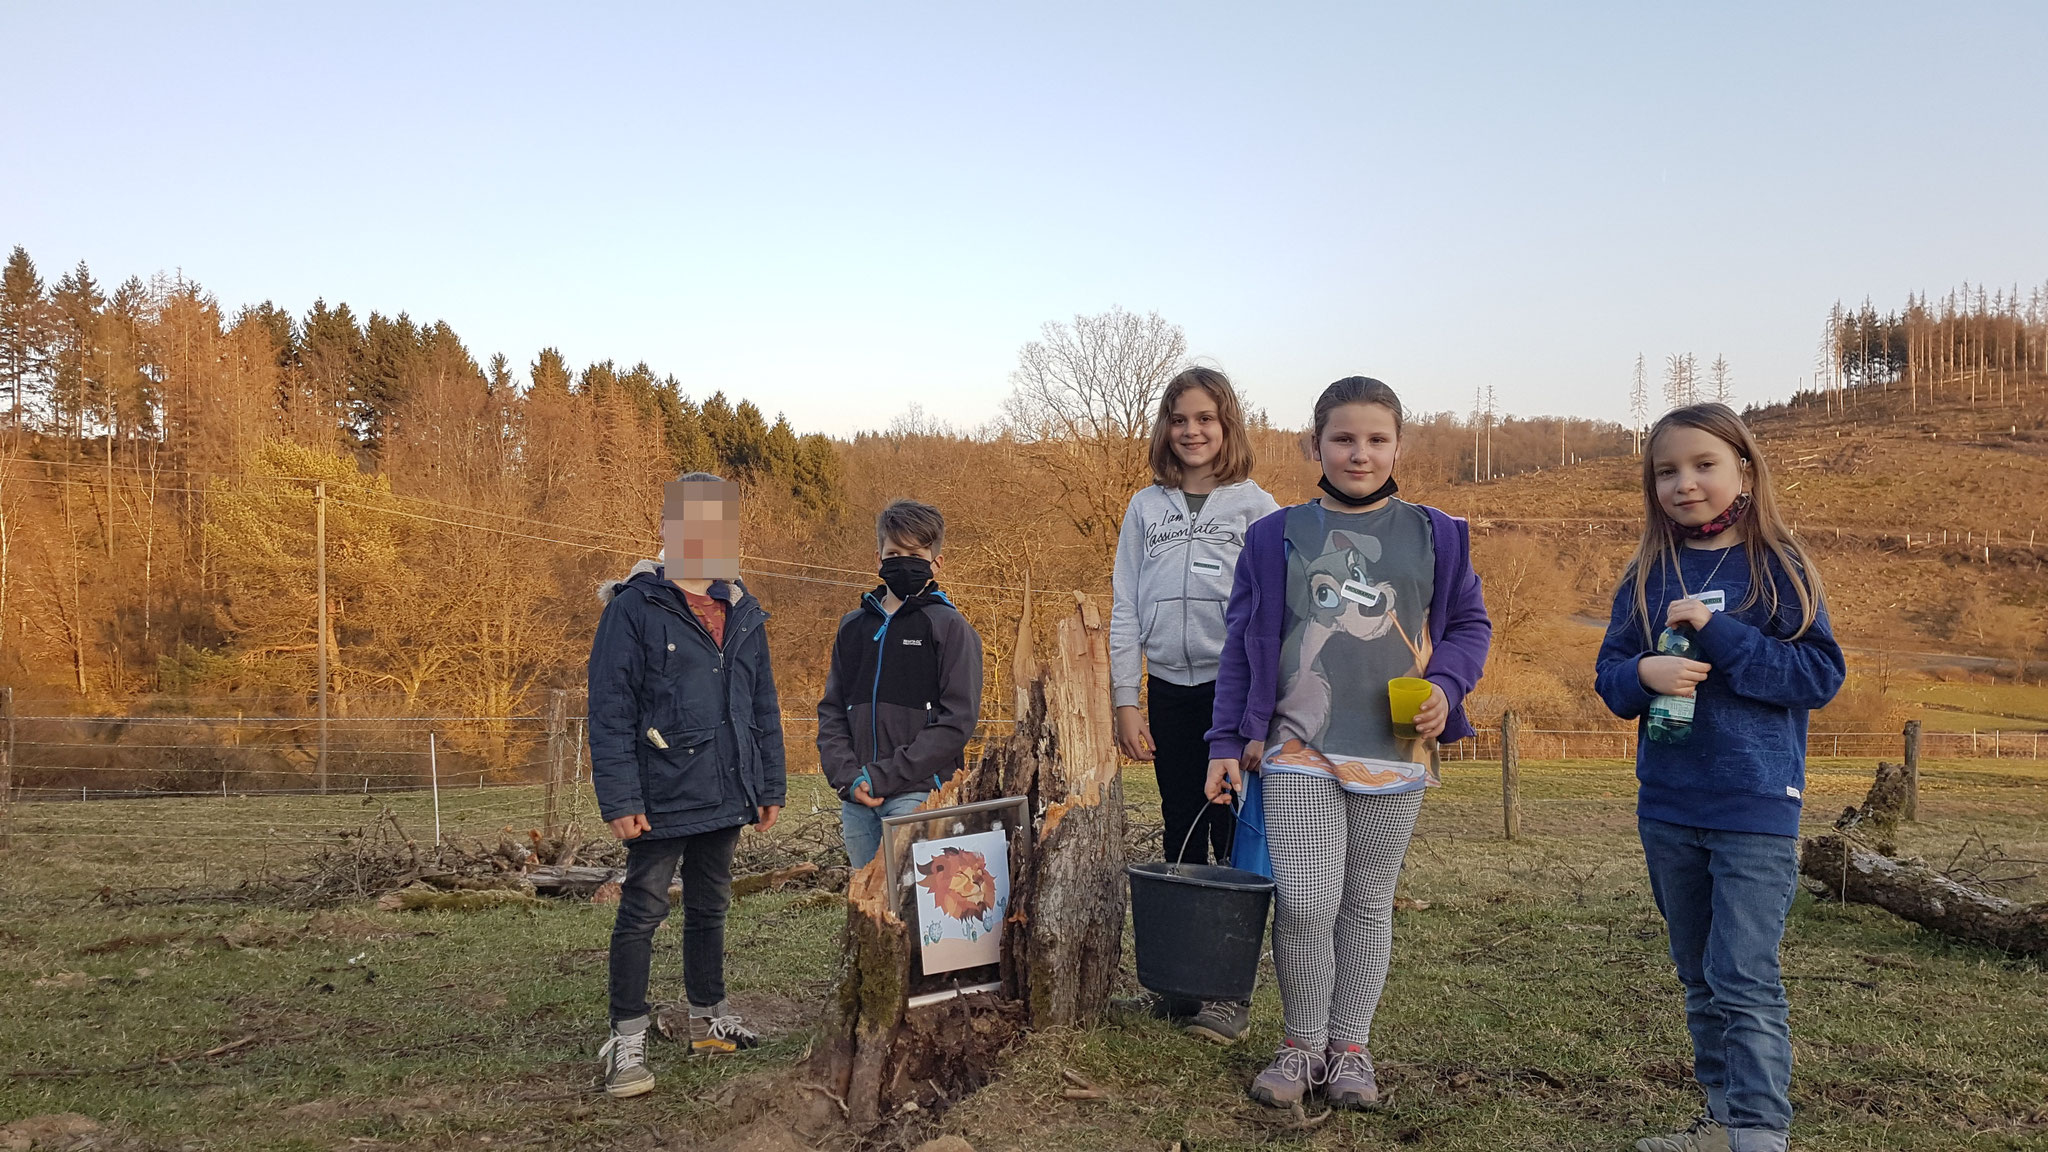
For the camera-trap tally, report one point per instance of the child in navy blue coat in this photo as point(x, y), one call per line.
point(1723, 772)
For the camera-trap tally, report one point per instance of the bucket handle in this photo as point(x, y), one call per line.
point(1236, 810)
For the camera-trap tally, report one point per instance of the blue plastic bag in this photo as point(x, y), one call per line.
point(1248, 850)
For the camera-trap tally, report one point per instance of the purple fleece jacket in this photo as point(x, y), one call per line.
point(1248, 682)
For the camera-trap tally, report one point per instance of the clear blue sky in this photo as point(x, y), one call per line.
point(840, 209)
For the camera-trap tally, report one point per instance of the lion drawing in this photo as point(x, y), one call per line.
point(960, 884)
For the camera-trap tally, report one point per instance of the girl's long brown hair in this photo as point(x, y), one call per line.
point(1762, 529)
point(1233, 460)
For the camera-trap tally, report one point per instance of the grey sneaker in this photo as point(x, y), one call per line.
point(1222, 1021)
point(624, 1057)
point(1287, 1080)
point(1350, 1083)
point(1704, 1134)
point(715, 1030)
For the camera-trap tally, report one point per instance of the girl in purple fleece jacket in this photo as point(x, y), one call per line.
point(1333, 599)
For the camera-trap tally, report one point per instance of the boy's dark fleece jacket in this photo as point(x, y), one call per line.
point(653, 665)
point(902, 697)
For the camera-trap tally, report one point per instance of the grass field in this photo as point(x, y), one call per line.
point(1964, 707)
point(1530, 1004)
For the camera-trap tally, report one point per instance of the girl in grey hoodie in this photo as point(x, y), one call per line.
point(1175, 558)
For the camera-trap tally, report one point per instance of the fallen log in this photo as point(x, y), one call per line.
point(775, 878)
point(1916, 892)
point(424, 899)
point(1909, 888)
point(578, 880)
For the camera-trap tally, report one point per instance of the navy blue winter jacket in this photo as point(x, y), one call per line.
point(1744, 769)
point(657, 679)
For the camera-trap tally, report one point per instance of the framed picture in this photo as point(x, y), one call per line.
point(963, 893)
point(948, 875)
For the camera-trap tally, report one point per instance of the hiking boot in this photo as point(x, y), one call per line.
point(1704, 1134)
point(1222, 1021)
point(624, 1057)
point(715, 1029)
point(1350, 1082)
point(1287, 1080)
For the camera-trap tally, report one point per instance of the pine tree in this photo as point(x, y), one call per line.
point(24, 330)
point(549, 373)
point(77, 302)
point(330, 352)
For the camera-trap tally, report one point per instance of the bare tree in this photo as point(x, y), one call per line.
point(1639, 404)
point(1490, 410)
point(1083, 400)
point(1717, 375)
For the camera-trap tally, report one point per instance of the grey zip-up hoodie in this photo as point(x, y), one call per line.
point(1172, 582)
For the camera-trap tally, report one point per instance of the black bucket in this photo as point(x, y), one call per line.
point(1199, 928)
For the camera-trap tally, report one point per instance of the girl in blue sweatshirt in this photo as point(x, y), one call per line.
point(1718, 809)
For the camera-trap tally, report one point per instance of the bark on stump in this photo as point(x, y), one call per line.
point(1063, 939)
point(1909, 888)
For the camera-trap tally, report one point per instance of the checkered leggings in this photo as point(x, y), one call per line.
point(1336, 858)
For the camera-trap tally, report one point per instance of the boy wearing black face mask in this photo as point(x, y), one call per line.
point(904, 690)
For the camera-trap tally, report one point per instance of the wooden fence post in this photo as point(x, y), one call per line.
point(6, 769)
point(1912, 770)
point(1510, 775)
point(558, 743)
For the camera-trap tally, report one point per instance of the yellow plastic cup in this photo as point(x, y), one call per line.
point(1405, 697)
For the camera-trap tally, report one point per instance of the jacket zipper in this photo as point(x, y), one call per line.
point(1187, 656)
point(881, 639)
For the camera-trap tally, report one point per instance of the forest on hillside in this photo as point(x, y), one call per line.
point(166, 465)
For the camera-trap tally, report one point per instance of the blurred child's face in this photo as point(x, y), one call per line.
point(700, 529)
point(1358, 448)
point(1698, 475)
point(1195, 429)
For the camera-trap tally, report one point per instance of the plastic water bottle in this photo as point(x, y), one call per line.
point(1671, 716)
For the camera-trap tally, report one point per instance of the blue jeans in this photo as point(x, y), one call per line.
point(862, 825)
point(1724, 896)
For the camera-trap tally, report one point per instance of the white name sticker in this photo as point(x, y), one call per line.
point(1364, 594)
point(1206, 567)
point(1792, 792)
point(1716, 600)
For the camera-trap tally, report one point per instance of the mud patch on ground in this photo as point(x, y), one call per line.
point(769, 1014)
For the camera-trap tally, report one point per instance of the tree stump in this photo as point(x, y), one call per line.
point(1063, 939)
point(1877, 819)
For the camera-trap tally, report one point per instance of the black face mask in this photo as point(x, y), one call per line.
point(1379, 494)
point(906, 576)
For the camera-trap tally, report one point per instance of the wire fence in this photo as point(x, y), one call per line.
point(236, 794)
point(85, 758)
point(1620, 744)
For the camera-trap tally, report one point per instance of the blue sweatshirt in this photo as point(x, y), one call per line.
point(1744, 770)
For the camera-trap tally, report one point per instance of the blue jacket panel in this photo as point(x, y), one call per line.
point(1744, 768)
point(657, 679)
